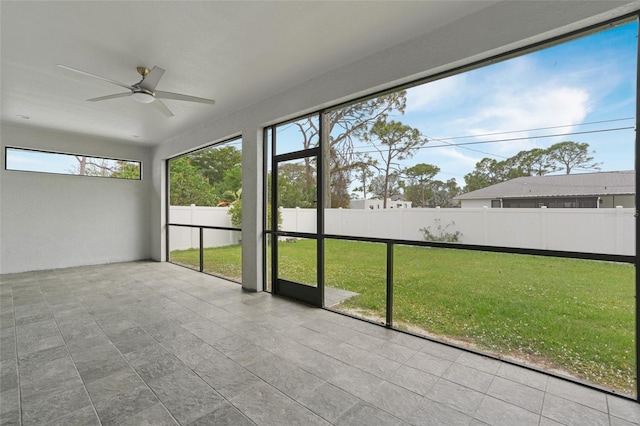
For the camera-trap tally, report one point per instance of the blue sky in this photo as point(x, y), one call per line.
point(587, 80)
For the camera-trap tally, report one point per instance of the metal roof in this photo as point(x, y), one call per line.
point(583, 184)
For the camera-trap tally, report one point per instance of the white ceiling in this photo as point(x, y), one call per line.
point(237, 53)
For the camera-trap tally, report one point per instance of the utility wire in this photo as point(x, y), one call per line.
point(536, 137)
point(539, 128)
point(461, 144)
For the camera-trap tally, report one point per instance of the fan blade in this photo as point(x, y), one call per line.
point(162, 107)
point(126, 86)
point(181, 97)
point(104, 98)
point(150, 81)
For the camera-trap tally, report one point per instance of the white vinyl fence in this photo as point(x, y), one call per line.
point(185, 238)
point(609, 231)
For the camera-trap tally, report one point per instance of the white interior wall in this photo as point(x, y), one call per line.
point(55, 221)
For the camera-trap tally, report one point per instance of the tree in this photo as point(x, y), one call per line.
point(345, 126)
point(565, 156)
point(535, 162)
point(215, 162)
point(392, 184)
point(92, 166)
point(573, 155)
point(418, 179)
point(443, 193)
point(393, 142)
point(222, 166)
point(364, 175)
point(488, 172)
point(188, 186)
point(293, 190)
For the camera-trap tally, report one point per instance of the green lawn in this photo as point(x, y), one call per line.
point(222, 261)
point(569, 314)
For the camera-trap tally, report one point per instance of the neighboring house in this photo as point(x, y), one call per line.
point(375, 204)
point(584, 190)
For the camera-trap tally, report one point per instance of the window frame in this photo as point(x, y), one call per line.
point(42, 151)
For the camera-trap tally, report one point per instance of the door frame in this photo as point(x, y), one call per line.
point(304, 293)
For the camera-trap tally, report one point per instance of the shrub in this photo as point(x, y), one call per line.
point(440, 233)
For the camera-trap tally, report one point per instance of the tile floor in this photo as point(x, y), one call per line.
point(156, 344)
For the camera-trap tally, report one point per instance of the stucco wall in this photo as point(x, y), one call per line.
point(55, 221)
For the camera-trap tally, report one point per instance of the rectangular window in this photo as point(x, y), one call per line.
point(29, 160)
point(205, 210)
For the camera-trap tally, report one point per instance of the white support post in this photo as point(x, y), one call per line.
point(252, 207)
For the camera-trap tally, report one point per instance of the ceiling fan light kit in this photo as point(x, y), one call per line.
point(143, 97)
point(144, 91)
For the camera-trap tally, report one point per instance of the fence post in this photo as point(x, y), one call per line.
point(544, 228)
point(619, 224)
point(485, 224)
point(192, 231)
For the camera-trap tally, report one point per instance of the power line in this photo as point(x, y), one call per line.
point(462, 144)
point(534, 137)
point(464, 147)
point(539, 128)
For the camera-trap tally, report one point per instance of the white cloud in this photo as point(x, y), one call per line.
point(528, 109)
point(432, 95)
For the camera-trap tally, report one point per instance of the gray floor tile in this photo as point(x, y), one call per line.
point(441, 350)
point(10, 403)
point(357, 382)
point(395, 400)
point(10, 418)
point(239, 349)
point(521, 375)
point(155, 415)
point(328, 401)
point(132, 339)
point(468, 377)
point(363, 414)
point(60, 369)
point(107, 387)
point(429, 363)
point(576, 393)
point(499, 413)
point(99, 363)
point(544, 421)
point(125, 405)
point(624, 409)
point(49, 410)
point(479, 362)
point(83, 417)
point(432, 413)
point(288, 379)
point(161, 366)
point(615, 421)
point(227, 377)
point(376, 365)
point(265, 405)
point(455, 396)
point(517, 394)
point(571, 413)
point(186, 396)
point(39, 358)
point(226, 415)
point(412, 379)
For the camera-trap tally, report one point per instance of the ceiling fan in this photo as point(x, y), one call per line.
point(144, 91)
